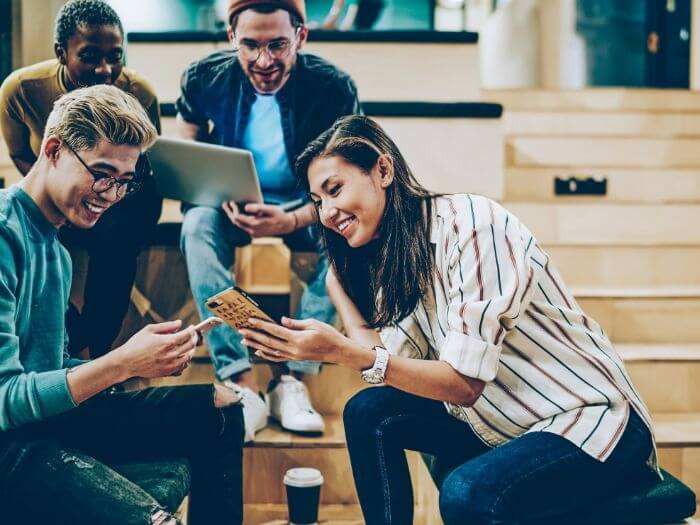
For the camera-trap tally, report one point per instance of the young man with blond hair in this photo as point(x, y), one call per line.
point(62, 426)
point(89, 48)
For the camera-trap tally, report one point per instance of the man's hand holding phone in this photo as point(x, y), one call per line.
point(157, 350)
point(261, 220)
point(205, 326)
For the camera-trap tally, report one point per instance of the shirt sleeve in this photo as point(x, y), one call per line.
point(187, 104)
point(405, 339)
point(25, 397)
point(13, 128)
point(488, 283)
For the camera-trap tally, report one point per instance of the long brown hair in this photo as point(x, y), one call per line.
point(387, 277)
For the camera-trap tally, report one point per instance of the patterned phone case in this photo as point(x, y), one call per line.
point(235, 307)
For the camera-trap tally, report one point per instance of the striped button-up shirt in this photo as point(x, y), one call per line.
point(500, 312)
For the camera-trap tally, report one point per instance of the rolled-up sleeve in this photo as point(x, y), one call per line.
point(488, 283)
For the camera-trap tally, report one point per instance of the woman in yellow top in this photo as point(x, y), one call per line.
point(89, 47)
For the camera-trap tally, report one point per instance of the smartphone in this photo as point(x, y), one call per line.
point(235, 307)
point(208, 324)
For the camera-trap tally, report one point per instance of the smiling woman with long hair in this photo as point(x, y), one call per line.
point(487, 361)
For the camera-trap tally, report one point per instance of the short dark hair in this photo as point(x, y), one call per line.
point(84, 12)
point(266, 9)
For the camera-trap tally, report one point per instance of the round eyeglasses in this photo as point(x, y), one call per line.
point(104, 182)
point(277, 49)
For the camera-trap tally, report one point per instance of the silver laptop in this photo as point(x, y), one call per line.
point(203, 174)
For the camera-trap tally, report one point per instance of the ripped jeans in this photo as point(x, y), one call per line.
point(65, 469)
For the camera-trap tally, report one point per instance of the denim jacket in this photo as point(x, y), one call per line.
point(215, 89)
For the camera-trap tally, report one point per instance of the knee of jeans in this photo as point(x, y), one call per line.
point(364, 412)
point(466, 500)
point(197, 222)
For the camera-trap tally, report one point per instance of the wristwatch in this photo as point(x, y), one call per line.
point(375, 375)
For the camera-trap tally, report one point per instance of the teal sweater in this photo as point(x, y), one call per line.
point(35, 277)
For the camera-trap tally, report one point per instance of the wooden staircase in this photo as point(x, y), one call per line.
point(632, 256)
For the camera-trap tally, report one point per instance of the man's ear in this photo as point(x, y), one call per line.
point(230, 34)
point(385, 166)
point(60, 53)
point(52, 147)
point(303, 36)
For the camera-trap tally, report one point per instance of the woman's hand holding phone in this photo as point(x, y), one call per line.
point(294, 340)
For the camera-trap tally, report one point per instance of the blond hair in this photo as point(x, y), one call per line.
point(85, 116)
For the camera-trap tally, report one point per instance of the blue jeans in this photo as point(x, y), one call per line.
point(208, 241)
point(531, 479)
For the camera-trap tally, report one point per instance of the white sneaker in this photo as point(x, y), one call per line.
point(291, 406)
point(255, 410)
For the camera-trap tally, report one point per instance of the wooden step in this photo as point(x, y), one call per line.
point(606, 152)
point(449, 72)
point(677, 430)
point(597, 123)
point(277, 514)
point(649, 186)
point(447, 155)
point(676, 353)
point(645, 319)
point(596, 99)
point(610, 224)
point(274, 451)
point(275, 436)
point(615, 265)
point(678, 436)
point(665, 375)
point(651, 292)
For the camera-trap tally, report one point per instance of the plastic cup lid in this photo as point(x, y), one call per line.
point(303, 477)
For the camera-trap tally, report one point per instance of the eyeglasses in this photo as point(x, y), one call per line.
point(104, 182)
point(277, 49)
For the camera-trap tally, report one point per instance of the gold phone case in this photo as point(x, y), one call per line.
point(235, 307)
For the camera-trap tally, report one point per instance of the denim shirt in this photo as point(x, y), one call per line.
point(216, 90)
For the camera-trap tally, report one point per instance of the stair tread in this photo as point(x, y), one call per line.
point(680, 429)
point(658, 352)
point(677, 430)
point(275, 437)
point(595, 99)
point(329, 514)
point(628, 292)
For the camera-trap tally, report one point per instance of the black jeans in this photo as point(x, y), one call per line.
point(532, 479)
point(58, 470)
point(112, 246)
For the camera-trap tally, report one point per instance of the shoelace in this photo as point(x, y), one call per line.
point(300, 396)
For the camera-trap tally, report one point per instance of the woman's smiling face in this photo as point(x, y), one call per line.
point(350, 201)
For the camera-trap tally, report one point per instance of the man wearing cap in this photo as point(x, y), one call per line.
point(264, 96)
